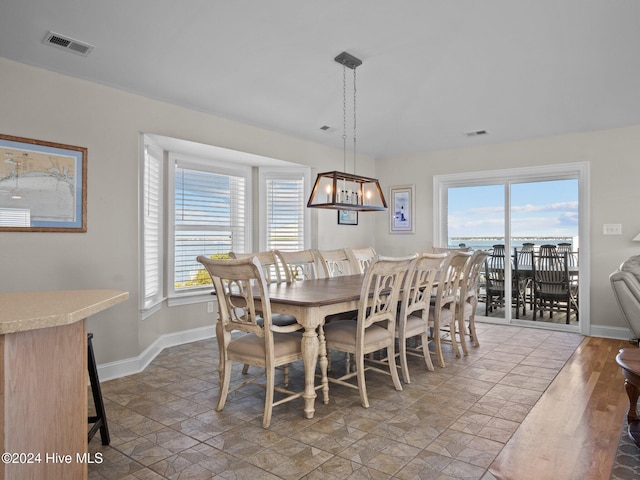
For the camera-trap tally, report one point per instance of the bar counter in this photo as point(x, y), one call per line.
point(43, 381)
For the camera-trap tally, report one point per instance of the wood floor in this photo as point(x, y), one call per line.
point(574, 429)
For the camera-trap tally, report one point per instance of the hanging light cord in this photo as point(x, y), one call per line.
point(354, 121)
point(344, 118)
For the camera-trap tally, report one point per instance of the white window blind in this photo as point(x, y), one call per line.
point(15, 217)
point(285, 212)
point(209, 219)
point(152, 243)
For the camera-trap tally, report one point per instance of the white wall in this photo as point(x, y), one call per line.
point(39, 104)
point(42, 105)
point(614, 158)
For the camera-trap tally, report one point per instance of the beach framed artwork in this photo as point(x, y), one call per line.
point(43, 186)
point(402, 211)
point(347, 217)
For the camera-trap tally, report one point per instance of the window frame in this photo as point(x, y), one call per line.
point(213, 166)
point(282, 173)
point(151, 303)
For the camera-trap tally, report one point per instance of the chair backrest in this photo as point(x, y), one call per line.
point(550, 271)
point(524, 255)
point(270, 266)
point(449, 249)
point(418, 284)
point(364, 256)
point(336, 263)
point(384, 278)
point(471, 275)
point(449, 280)
point(494, 270)
point(236, 283)
point(299, 265)
point(572, 256)
point(546, 250)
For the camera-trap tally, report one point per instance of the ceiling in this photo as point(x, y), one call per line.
point(432, 69)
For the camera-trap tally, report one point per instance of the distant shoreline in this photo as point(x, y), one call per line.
point(514, 238)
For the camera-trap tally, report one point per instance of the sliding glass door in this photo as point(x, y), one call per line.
point(516, 214)
point(475, 219)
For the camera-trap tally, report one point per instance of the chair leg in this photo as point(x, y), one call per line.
point(403, 362)
point(462, 332)
point(99, 420)
point(268, 398)
point(473, 336)
point(220, 339)
point(438, 345)
point(426, 353)
point(393, 369)
point(452, 333)
point(362, 386)
point(225, 372)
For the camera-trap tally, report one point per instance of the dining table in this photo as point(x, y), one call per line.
point(310, 302)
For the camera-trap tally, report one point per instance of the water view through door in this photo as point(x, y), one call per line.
point(539, 229)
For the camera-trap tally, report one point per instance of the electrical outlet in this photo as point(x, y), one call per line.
point(612, 229)
point(209, 307)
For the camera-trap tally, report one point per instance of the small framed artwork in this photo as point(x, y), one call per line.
point(347, 217)
point(43, 186)
point(402, 211)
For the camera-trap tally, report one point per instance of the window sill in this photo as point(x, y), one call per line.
point(188, 299)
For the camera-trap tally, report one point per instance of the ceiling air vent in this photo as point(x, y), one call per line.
point(475, 133)
point(67, 43)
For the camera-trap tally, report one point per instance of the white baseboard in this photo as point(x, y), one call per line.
point(617, 333)
point(130, 366)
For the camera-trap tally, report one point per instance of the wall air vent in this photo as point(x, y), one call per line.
point(67, 43)
point(475, 133)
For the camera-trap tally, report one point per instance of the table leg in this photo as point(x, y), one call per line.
point(632, 416)
point(324, 363)
point(632, 393)
point(310, 347)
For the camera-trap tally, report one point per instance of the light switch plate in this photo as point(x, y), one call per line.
point(612, 229)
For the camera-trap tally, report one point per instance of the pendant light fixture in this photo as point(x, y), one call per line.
point(341, 190)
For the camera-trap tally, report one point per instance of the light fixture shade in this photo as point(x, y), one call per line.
point(636, 238)
point(344, 191)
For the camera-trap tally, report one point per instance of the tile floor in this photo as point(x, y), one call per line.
point(446, 424)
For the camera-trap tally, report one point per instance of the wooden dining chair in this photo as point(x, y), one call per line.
point(375, 326)
point(553, 290)
point(338, 262)
point(298, 265)
point(271, 268)
point(495, 277)
point(442, 312)
point(272, 271)
point(237, 284)
point(572, 256)
point(468, 299)
point(413, 317)
point(364, 256)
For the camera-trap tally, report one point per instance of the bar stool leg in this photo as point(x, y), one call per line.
point(99, 421)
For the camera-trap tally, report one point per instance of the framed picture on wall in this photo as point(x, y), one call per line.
point(402, 211)
point(43, 186)
point(347, 217)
